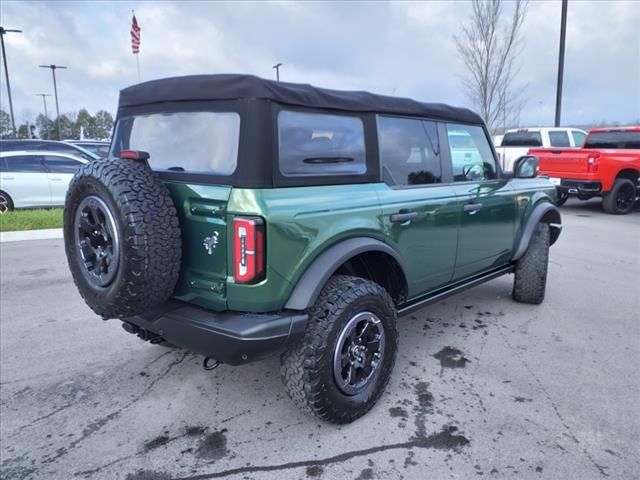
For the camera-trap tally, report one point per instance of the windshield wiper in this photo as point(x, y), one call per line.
point(322, 160)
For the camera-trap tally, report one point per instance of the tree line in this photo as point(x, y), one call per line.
point(67, 127)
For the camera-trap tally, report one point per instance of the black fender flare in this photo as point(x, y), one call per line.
point(316, 275)
point(546, 212)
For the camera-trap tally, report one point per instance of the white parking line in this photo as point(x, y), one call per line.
point(43, 234)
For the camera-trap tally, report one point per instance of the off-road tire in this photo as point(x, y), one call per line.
point(149, 235)
point(307, 369)
point(531, 269)
point(6, 203)
point(609, 200)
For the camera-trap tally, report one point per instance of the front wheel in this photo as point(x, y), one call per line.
point(340, 368)
point(621, 198)
point(530, 280)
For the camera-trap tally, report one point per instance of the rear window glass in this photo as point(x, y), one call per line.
point(522, 139)
point(317, 144)
point(559, 139)
point(199, 142)
point(620, 139)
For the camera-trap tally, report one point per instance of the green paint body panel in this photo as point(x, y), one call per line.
point(441, 245)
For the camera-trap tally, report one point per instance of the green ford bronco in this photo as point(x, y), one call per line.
point(239, 218)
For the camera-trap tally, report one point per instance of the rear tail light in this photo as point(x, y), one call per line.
point(592, 164)
point(248, 249)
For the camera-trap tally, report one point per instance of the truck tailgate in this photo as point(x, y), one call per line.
point(561, 162)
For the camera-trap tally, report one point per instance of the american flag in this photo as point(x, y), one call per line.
point(135, 35)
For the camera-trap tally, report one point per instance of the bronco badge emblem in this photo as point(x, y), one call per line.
point(210, 243)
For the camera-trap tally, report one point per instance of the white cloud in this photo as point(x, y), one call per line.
point(402, 46)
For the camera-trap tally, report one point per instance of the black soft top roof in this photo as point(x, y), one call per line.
point(235, 86)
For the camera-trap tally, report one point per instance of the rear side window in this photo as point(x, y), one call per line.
point(471, 155)
point(578, 137)
point(559, 138)
point(619, 139)
point(409, 151)
point(314, 144)
point(25, 164)
point(197, 142)
point(61, 164)
point(522, 139)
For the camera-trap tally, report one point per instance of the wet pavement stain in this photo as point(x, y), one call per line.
point(398, 412)
point(365, 474)
point(195, 431)
point(451, 358)
point(147, 475)
point(155, 443)
point(213, 446)
point(447, 439)
point(314, 471)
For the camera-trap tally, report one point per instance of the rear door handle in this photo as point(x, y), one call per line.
point(56, 179)
point(472, 208)
point(404, 217)
point(8, 178)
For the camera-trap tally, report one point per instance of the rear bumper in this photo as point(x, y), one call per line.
point(579, 187)
point(230, 337)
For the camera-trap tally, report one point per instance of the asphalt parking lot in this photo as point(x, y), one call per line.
point(483, 386)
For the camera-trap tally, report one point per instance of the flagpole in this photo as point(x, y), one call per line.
point(138, 65)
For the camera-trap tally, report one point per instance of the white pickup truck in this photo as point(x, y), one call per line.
point(517, 142)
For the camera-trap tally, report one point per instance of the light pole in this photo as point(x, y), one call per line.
point(6, 72)
point(55, 91)
point(563, 34)
point(46, 116)
point(277, 67)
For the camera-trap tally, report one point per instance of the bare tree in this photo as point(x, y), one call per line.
point(489, 46)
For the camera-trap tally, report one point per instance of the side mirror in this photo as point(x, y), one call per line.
point(526, 167)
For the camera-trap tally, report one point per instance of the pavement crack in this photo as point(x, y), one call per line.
point(444, 439)
point(98, 424)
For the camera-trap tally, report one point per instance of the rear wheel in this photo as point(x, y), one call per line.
point(530, 280)
point(343, 363)
point(6, 204)
point(621, 198)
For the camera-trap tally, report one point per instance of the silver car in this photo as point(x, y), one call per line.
point(31, 179)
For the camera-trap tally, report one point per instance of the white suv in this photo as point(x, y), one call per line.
point(31, 179)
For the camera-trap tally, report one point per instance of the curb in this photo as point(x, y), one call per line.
point(45, 234)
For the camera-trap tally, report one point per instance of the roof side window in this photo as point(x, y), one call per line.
point(409, 151)
point(315, 144)
point(559, 138)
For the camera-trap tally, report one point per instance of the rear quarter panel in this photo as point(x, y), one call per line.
point(301, 223)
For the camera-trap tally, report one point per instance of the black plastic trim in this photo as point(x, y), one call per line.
point(538, 213)
point(230, 337)
point(316, 275)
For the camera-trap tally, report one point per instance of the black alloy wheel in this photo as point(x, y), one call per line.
point(358, 351)
point(97, 240)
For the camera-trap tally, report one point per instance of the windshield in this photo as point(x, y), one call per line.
point(522, 139)
point(619, 139)
point(199, 142)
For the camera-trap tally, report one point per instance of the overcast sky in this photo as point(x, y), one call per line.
point(401, 47)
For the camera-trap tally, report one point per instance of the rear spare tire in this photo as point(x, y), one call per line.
point(122, 237)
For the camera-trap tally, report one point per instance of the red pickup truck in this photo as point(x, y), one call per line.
point(607, 165)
